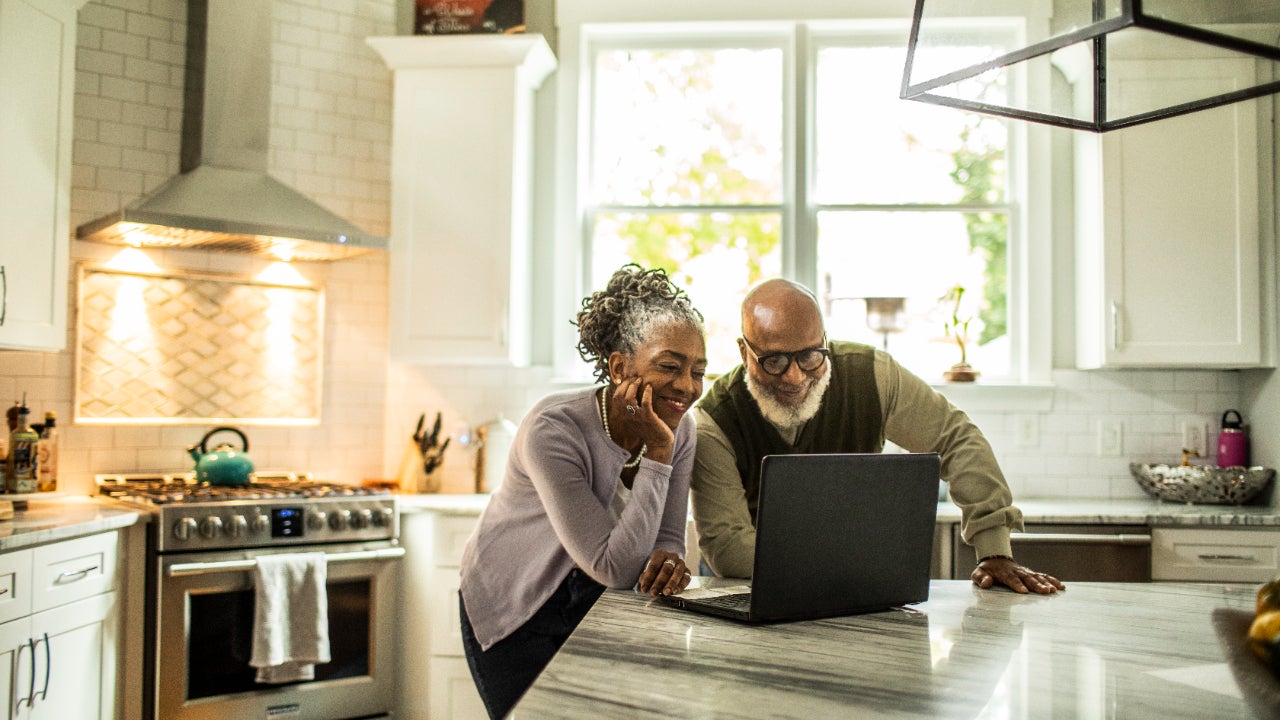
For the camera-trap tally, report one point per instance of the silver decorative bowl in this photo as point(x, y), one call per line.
point(1206, 484)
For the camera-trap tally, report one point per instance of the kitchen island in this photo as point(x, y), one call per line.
point(1111, 650)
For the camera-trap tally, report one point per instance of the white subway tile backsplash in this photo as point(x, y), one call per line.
point(123, 89)
point(144, 160)
point(99, 15)
point(138, 23)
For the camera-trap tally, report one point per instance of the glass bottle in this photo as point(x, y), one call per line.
point(47, 455)
point(22, 455)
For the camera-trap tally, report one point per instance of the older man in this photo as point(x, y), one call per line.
point(795, 392)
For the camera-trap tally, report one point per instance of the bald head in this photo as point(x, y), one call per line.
point(781, 314)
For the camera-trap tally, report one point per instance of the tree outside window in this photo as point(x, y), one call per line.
point(907, 200)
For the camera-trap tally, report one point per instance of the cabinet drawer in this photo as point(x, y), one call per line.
point(15, 585)
point(451, 533)
point(1215, 555)
point(74, 569)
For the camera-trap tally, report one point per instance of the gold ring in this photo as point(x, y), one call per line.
point(670, 562)
point(631, 409)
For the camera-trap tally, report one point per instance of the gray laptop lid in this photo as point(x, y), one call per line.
point(843, 533)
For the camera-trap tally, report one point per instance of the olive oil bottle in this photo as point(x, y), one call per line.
point(23, 442)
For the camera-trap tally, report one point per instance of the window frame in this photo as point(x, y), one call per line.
point(585, 25)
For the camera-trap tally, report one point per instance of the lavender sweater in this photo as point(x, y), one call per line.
point(551, 514)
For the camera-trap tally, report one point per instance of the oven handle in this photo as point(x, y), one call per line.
point(1081, 538)
point(205, 568)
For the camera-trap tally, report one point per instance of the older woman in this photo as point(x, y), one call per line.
point(596, 488)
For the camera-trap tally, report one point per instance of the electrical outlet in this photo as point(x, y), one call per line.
point(1110, 438)
point(1195, 437)
point(1026, 431)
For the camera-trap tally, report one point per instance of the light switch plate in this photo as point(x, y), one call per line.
point(1026, 431)
point(1194, 437)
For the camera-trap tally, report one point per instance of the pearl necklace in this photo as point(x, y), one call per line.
point(604, 417)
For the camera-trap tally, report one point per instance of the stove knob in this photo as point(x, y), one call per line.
point(183, 528)
point(210, 527)
point(260, 524)
point(340, 519)
point(237, 526)
point(315, 520)
point(382, 517)
point(361, 519)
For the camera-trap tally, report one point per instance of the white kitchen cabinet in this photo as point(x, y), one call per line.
point(1243, 555)
point(435, 682)
point(59, 660)
point(461, 190)
point(37, 83)
point(1168, 263)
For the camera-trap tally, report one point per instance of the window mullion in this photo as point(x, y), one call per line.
point(800, 245)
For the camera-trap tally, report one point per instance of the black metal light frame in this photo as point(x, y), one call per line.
point(1131, 16)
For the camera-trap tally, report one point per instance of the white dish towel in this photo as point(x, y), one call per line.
point(291, 617)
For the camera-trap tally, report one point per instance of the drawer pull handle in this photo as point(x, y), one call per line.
point(13, 683)
point(73, 575)
point(1081, 538)
point(48, 668)
point(205, 568)
point(1215, 557)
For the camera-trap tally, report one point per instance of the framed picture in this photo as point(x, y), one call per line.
point(453, 17)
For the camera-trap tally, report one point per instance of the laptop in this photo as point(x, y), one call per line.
point(836, 534)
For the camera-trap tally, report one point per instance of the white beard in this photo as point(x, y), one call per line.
point(786, 417)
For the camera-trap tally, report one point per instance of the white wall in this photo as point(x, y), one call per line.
point(127, 121)
point(330, 139)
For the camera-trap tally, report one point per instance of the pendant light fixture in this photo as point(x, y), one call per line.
point(1092, 64)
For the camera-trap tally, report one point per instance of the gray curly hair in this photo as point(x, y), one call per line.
point(621, 317)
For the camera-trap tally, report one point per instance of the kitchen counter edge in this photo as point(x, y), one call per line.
point(64, 518)
point(1080, 512)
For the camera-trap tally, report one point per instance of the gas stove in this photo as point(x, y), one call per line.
point(275, 509)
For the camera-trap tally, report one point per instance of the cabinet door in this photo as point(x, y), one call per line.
point(461, 194)
point(453, 692)
point(37, 59)
point(76, 677)
point(1168, 262)
point(15, 668)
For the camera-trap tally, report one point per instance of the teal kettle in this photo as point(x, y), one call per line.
point(224, 465)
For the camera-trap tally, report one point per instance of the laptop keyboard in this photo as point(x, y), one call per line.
point(737, 601)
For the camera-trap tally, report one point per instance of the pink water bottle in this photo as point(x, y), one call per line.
point(1233, 441)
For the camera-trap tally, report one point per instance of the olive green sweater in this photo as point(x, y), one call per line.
point(911, 415)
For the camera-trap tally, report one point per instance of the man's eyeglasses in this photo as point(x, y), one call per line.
point(808, 359)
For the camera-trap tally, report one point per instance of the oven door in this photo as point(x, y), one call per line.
point(204, 637)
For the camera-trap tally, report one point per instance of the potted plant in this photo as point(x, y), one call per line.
point(957, 330)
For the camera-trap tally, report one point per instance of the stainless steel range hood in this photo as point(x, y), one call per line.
point(224, 199)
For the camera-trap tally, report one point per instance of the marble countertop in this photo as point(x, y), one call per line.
point(1131, 512)
point(443, 503)
point(63, 518)
point(1093, 512)
point(1128, 651)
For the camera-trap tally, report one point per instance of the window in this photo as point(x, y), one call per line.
point(729, 153)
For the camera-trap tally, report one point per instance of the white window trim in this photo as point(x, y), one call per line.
point(578, 21)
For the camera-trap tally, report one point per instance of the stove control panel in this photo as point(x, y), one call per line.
point(277, 521)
